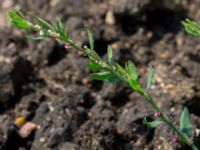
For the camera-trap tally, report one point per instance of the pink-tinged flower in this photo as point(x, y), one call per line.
point(85, 47)
point(175, 139)
point(67, 47)
point(80, 53)
point(157, 114)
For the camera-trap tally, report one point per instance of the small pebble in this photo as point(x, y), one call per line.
point(27, 129)
point(110, 19)
point(19, 121)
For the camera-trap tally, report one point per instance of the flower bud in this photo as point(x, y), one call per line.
point(85, 47)
point(157, 114)
point(96, 61)
point(175, 139)
point(41, 33)
point(67, 47)
point(80, 53)
point(38, 27)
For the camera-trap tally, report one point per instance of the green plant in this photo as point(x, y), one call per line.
point(111, 71)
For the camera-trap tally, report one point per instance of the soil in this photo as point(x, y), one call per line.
point(51, 87)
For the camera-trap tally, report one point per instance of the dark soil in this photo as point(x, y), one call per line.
point(51, 87)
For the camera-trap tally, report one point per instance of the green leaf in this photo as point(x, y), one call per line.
point(19, 13)
point(191, 27)
point(60, 42)
point(60, 28)
point(151, 124)
point(21, 24)
point(136, 86)
point(113, 79)
point(110, 55)
point(120, 70)
point(102, 75)
point(13, 15)
point(43, 23)
point(150, 77)
point(90, 37)
point(132, 71)
point(185, 122)
point(18, 20)
point(95, 66)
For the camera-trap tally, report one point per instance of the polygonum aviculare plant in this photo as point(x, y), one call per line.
point(112, 71)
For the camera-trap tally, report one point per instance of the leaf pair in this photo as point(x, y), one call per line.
point(191, 27)
point(59, 26)
point(61, 29)
point(133, 73)
point(131, 69)
point(104, 75)
point(18, 20)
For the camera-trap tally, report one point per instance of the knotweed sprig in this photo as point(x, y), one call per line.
point(191, 27)
point(110, 71)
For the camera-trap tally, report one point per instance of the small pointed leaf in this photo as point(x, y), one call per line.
point(136, 86)
point(60, 28)
point(102, 75)
point(22, 24)
point(18, 12)
point(60, 42)
point(185, 122)
point(110, 55)
point(150, 77)
point(191, 27)
point(90, 37)
point(94, 54)
point(120, 70)
point(94, 66)
point(43, 23)
point(151, 124)
point(18, 20)
point(132, 70)
point(13, 15)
